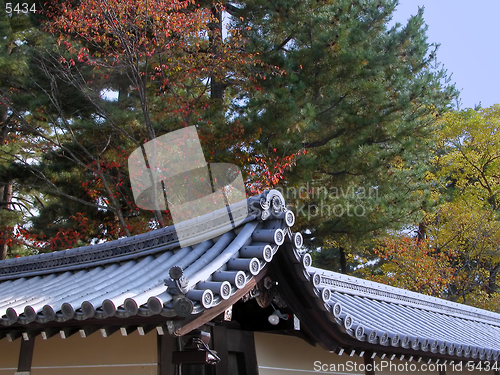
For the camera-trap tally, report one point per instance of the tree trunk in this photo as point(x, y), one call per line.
point(343, 261)
point(3, 247)
point(123, 85)
point(492, 280)
point(216, 85)
point(4, 128)
point(421, 235)
point(5, 204)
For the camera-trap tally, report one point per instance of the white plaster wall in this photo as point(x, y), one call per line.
point(96, 355)
point(287, 355)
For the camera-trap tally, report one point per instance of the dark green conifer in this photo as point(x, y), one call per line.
point(361, 97)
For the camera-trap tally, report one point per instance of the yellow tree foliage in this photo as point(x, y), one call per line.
point(470, 161)
point(471, 234)
point(457, 255)
point(468, 164)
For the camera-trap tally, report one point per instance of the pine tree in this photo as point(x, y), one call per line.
point(16, 30)
point(360, 98)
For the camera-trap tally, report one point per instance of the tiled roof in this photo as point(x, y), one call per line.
point(385, 319)
point(147, 274)
point(150, 275)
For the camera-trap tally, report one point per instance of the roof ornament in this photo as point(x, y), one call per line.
point(384, 339)
point(177, 284)
point(395, 340)
point(183, 306)
point(359, 333)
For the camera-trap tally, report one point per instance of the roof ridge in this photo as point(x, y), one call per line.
point(193, 231)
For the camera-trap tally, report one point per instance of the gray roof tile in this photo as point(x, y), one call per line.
point(150, 274)
point(120, 277)
point(391, 317)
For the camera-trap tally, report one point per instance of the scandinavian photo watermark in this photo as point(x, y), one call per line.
point(311, 202)
point(172, 168)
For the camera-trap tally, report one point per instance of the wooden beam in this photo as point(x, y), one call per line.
point(87, 331)
point(49, 332)
point(29, 335)
point(98, 322)
point(125, 331)
point(67, 332)
point(181, 328)
point(108, 331)
point(250, 353)
point(14, 335)
point(145, 329)
point(26, 355)
point(161, 329)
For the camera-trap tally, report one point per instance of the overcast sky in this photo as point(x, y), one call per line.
point(469, 34)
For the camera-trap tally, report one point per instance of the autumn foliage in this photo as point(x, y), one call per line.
point(458, 255)
point(277, 81)
point(172, 47)
point(415, 265)
point(172, 64)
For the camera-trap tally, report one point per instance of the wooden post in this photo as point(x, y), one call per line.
point(219, 339)
point(369, 370)
point(243, 342)
point(166, 346)
point(26, 356)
